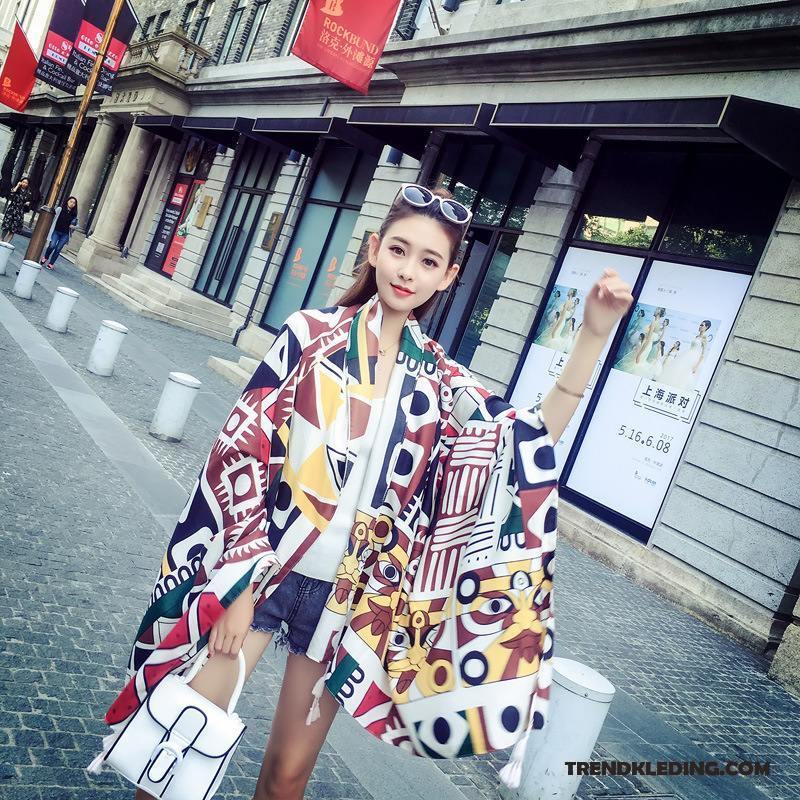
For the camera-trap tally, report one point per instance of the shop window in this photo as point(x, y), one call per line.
point(628, 196)
point(313, 259)
point(726, 208)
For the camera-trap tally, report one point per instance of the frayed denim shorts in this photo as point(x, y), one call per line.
point(292, 611)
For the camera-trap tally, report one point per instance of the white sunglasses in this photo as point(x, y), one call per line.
point(421, 197)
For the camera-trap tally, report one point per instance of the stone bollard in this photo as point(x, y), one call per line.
point(106, 347)
point(173, 407)
point(28, 273)
point(579, 701)
point(6, 249)
point(63, 302)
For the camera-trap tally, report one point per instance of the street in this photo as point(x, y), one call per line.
point(88, 497)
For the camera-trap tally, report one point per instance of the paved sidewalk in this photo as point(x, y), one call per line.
point(86, 496)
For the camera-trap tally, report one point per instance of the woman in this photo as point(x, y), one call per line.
point(19, 201)
point(321, 505)
point(65, 225)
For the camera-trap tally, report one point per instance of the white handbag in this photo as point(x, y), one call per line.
point(178, 745)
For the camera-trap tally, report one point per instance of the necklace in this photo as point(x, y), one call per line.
point(382, 351)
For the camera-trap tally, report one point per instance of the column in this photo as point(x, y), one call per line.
point(120, 198)
point(100, 253)
point(87, 180)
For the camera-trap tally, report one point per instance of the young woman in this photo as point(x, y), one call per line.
point(19, 201)
point(356, 395)
point(65, 225)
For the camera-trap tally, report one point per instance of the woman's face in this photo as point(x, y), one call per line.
point(24, 183)
point(71, 202)
point(414, 254)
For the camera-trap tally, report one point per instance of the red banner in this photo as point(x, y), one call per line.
point(345, 38)
point(17, 77)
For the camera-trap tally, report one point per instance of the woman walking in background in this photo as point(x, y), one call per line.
point(65, 224)
point(19, 201)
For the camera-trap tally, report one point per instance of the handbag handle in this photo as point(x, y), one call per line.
point(200, 663)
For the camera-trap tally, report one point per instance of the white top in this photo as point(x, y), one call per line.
point(322, 559)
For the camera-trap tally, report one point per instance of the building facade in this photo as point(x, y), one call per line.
point(228, 184)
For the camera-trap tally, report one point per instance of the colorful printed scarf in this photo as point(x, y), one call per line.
point(438, 631)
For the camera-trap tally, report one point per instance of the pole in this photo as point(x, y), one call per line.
point(46, 212)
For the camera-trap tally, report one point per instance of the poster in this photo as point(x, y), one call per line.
point(88, 39)
point(168, 222)
point(183, 205)
point(660, 375)
point(558, 328)
point(58, 43)
point(345, 38)
point(123, 31)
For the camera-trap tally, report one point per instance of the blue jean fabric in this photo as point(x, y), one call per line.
point(57, 242)
point(298, 603)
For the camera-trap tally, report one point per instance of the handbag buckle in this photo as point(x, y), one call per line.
point(165, 758)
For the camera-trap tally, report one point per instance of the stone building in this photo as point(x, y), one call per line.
point(228, 184)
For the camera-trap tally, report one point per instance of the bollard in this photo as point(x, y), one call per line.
point(6, 249)
point(173, 407)
point(58, 316)
point(579, 701)
point(105, 349)
point(28, 273)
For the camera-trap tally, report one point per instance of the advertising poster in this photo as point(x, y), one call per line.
point(345, 38)
point(183, 205)
point(558, 328)
point(168, 222)
point(123, 31)
point(58, 43)
point(660, 375)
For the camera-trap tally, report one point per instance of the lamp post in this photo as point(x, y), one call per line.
point(46, 212)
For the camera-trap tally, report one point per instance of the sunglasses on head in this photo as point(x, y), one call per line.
point(421, 197)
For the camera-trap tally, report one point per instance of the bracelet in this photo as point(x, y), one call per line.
point(567, 391)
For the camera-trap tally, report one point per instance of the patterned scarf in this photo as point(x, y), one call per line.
point(438, 630)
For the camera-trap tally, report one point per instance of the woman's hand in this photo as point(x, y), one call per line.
point(606, 303)
point(229, 631)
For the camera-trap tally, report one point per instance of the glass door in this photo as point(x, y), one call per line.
point(242, 209)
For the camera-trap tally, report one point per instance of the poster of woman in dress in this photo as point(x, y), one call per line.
point(562, 319)
point(666, 345)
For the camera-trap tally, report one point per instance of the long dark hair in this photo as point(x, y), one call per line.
point(68, 213)
point(365, 285)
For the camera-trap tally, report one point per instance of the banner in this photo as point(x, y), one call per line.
point(17, 77)
point(123, 31)
point(58, 44)
point(661, 373)
point(558, 329)
point(90, 37)
point(345, 38)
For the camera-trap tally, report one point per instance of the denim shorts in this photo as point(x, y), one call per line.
point(297, 602)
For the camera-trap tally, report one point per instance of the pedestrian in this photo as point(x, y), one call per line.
point(384, 516)
point(65, 225)
point(19, 201)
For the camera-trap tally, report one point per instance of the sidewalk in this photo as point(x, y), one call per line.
point(87, 497)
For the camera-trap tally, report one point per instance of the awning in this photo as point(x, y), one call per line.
point(303, 133)
point(559, 130)
point(168, 126)
point(14, 119)
point(222, 130)
point(408, 127)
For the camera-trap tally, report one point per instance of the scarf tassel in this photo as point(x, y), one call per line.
point(96, 767)
point(511, 774)
point(316, 692)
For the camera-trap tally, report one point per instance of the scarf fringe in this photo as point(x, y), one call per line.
point(316, 693)
point(511, 774)
point(96, 767)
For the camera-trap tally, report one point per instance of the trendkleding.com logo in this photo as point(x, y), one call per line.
point(667, 767)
